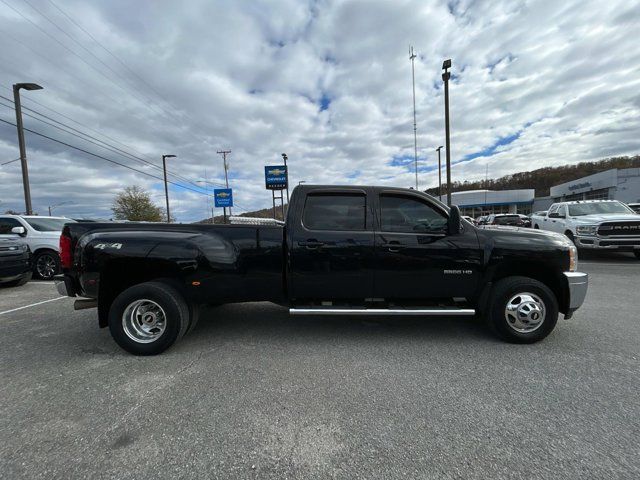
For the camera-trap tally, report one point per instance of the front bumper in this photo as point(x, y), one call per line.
point(608, 243)
point(577, 285)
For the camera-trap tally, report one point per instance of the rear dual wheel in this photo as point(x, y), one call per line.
point(148, 318)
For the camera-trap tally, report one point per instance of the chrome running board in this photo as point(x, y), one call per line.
point(383, 311)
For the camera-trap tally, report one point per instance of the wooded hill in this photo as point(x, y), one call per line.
point(543, 179)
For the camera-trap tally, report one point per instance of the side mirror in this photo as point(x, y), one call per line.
point(454, 226)
point(19, 231)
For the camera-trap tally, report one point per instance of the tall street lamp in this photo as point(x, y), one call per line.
point(23, 153)
point(439, 174)
point(446, 65)
point(285, 158)
point(166, 190)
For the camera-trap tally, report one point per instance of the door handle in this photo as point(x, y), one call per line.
point(393, 246)
point(311, 244)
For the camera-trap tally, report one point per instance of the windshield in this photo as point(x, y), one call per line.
point(580, 209)
point(507, 220)
point(48, 224)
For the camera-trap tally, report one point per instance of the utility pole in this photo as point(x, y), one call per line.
point(284, 157)
point(21, 144)
point(412, 57)
point(445, 77)
point(439, 174)
point(224, 154)
point(166, 190)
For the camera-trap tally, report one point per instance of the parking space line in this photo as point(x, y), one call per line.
point(609, 264)
point(32, 305)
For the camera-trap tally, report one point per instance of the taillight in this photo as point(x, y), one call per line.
point(66, 257)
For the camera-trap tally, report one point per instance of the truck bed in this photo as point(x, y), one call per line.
point(227, 262)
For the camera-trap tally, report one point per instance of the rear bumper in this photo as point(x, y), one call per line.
point(577, 285)
point(64, 285)
point(608, 243)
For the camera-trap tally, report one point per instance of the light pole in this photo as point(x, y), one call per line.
point(23, 152)
point(285, 158)
point(51, 207)
point(412, 57)
point(301, 182)
point(446, 65)
point(439, 174)
point(166, 190)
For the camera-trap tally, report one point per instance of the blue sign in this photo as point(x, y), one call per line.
point(275, 177)
point(223, 197)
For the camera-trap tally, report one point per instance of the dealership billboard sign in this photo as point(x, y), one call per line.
point(275, 177)
point(223, 197)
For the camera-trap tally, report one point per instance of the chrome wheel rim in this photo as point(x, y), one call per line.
point(144, 321)
point(46, 266)
point(525, 312)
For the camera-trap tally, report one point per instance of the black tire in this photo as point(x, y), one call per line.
point(536, 227)
point(173, 307)
point(46, 264)
point(509, 288)
point(570, 236)
point(636, 252)
point(19, 282)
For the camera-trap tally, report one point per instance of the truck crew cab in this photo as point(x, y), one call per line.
point(344, 250)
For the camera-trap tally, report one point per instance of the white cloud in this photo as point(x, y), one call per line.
point(559, 79)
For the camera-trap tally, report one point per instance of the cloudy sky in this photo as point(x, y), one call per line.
point(535, 83)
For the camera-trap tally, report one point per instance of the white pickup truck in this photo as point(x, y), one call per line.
point(594, 224)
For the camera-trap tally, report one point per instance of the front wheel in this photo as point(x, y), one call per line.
point(148, 318)
point(522, 310)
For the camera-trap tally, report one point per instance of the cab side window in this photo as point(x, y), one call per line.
point(335, 212)
point(562, 211)
point(6, 224)
point(410, 215)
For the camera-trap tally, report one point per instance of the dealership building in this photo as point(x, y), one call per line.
point(485, 202)
point(621, 184)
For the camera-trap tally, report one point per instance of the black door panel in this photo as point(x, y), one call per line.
point(416, 258)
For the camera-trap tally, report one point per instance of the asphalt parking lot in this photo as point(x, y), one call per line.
point(254, 393)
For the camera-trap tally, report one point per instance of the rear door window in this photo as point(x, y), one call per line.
point(331, 211)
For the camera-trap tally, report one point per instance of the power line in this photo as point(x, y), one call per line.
point(104, 145)
point(111, 160)
point(71, 19)
point(10, 161)
point(74, 40)
point(142, 100)
point(102, 157)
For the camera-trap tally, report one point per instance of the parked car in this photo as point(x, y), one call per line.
point(42, 235)
point(526, 220)
point(506, 219)
point(342, 251)
point(594, 224)
point(469, 219)
point(15, 262)
point(481, 220)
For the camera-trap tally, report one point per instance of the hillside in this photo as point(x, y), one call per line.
point(543, 179)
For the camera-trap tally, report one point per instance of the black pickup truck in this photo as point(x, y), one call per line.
point(342, 251)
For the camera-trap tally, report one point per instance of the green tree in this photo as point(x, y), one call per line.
point(134, 204)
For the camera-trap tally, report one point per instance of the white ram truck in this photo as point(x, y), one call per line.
point(594, 224)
